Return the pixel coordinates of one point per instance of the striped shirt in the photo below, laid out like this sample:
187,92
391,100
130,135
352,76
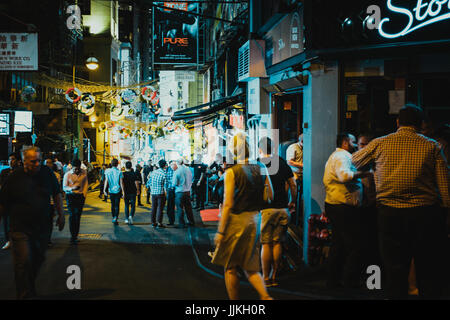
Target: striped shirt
410,169
157,181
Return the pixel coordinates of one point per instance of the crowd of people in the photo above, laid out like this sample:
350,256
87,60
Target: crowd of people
386,198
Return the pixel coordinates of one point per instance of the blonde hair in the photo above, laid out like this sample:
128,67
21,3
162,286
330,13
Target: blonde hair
26,149
240,147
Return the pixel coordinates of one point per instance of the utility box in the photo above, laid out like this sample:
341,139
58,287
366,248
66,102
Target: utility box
251,61
258,98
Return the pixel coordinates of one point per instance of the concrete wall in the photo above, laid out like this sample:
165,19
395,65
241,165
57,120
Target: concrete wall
320,125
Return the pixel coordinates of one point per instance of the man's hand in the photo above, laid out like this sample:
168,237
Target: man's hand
60,222
291,207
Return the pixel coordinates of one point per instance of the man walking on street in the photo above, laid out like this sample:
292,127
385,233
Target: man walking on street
146,171
275,218
199,184
26,198
14,163
182,180
130,185
412,182
114,185
342,206
157,182
75,185
294,157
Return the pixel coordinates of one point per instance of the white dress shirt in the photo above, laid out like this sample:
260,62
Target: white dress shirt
340,185
75,184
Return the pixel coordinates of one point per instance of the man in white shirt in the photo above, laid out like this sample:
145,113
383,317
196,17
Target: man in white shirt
75,185
182,180
294,158
342,206
114,185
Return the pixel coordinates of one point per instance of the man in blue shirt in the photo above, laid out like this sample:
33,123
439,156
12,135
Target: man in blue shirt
114,184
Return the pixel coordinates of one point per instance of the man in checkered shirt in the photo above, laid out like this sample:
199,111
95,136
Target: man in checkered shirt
157,182
412,184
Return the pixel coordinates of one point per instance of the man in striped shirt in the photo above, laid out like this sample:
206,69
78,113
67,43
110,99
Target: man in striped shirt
412,184
157,182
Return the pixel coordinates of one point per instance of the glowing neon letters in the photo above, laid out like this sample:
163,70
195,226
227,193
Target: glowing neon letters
424,14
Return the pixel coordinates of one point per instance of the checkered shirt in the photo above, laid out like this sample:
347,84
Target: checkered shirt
157,181
410,169
169,176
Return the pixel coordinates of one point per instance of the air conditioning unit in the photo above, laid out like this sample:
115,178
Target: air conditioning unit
251,61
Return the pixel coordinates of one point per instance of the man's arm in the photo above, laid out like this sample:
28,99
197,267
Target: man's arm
293,187
122,186
105,188
344,172
366,155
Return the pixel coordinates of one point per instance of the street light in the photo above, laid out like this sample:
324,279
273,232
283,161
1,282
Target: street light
92,63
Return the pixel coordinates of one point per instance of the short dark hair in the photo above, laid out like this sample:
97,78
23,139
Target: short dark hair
76,163
128,165
265,144
367,135
114,162
162,163
15,155
341,137
411,115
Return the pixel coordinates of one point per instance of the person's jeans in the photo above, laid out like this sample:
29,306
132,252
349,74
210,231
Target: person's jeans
28,253
171,205
130,200
157,207
75,203
200,194
115,204
183,203
417,233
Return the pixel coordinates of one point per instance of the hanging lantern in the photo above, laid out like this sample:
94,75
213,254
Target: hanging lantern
87,100
73,91
128,96
28,94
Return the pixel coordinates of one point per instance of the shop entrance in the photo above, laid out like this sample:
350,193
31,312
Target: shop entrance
288,116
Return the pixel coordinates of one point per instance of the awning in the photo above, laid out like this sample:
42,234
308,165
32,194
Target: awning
207,110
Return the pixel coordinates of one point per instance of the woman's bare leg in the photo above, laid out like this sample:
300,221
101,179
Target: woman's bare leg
266,258
257,282
232,283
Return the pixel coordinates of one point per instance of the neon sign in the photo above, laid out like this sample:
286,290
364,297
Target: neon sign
422,15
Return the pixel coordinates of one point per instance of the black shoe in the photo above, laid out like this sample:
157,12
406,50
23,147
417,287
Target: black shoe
190,224
160,225
154,225
170,224
74,241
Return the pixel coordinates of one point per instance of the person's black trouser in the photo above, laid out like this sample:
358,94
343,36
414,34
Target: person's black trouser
115,204
52,218
347,244
183,203
372,254
6,226
200,194
148,195
417,233
102,186
139,196
75,203
28,254
157,207
171,205
130,200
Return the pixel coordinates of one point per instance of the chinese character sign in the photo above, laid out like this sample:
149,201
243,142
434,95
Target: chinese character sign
176,33
18,51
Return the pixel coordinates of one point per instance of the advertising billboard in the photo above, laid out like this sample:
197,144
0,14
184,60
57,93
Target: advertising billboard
175,37
23,121
4,124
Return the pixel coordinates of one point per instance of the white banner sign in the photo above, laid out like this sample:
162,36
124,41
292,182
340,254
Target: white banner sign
19,51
